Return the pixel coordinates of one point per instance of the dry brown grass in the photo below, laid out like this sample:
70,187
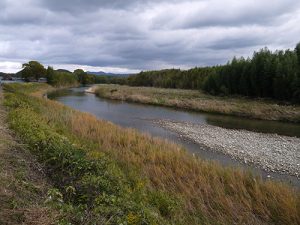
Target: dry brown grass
209,191
196,100
220,193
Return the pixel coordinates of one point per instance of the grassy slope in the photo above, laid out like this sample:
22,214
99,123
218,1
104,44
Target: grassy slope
119,175
196,100
23,185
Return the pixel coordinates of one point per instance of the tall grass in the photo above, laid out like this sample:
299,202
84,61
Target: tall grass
197,100
159,177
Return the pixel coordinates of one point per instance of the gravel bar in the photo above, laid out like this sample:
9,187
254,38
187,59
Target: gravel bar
270,152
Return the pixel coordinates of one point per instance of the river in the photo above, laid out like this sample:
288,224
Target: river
140,117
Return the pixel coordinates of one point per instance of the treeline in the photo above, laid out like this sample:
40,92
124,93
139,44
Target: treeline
268,75
107,79
168,78
35,71
172,78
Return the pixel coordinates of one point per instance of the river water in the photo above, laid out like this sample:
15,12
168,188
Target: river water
141,117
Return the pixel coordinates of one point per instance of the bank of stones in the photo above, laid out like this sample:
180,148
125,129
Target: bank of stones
270,152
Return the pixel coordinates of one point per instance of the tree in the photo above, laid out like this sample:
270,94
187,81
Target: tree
50,75
296,83
81,76
33,70
298,53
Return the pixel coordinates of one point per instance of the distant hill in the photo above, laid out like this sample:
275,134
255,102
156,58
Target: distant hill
101,73
63,71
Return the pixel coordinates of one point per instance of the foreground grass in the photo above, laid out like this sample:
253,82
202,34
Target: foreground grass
107,174
23,186
196,100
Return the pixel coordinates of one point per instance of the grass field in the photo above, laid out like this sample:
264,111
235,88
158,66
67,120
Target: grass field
198,101
106,174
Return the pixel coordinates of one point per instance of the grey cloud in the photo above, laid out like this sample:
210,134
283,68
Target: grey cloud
75,6
227,13
143,35
231,43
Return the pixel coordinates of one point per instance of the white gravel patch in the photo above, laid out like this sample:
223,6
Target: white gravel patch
270,152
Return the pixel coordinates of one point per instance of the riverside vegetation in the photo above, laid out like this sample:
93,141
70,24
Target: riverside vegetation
23,184
199,101
106,174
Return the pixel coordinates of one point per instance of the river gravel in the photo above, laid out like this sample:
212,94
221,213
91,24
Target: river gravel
270,152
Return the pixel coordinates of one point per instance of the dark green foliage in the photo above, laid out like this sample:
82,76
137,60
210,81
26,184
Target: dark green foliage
108,79
83,77
267,75
298,53
173,78
57,78
33,70
66,78
50,75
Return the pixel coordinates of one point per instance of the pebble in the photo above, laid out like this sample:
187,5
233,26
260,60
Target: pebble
271,152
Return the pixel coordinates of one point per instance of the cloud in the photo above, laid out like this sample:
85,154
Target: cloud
186,15
10,67
124,35
76,6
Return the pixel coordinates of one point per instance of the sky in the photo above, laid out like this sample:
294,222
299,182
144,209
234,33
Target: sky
127,36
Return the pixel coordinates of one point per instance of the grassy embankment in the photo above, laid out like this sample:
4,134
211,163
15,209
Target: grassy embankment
198,101
23,184
112,175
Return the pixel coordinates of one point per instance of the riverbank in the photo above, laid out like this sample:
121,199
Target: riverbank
271,152
23,184
114,175
198,101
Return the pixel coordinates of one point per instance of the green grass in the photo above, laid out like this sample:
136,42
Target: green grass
199,101
23,186
107,174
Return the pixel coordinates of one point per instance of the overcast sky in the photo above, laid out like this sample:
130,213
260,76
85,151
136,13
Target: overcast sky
132,35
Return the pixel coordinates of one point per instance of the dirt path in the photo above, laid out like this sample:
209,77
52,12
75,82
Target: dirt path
23,185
